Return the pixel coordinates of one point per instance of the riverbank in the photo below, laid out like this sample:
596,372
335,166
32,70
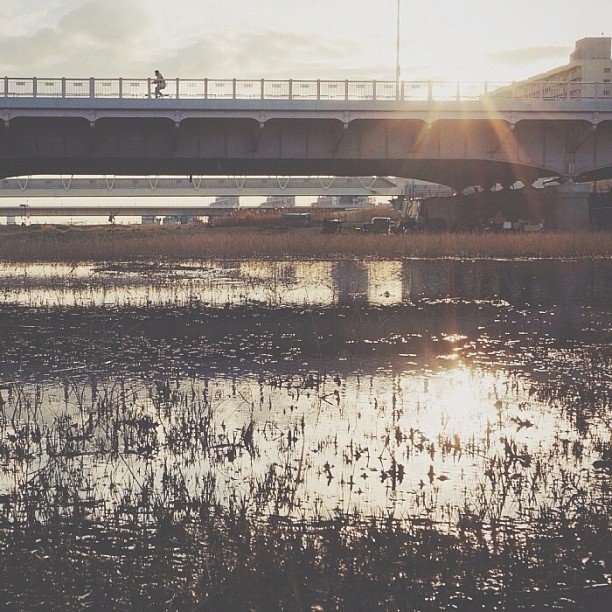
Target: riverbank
145,243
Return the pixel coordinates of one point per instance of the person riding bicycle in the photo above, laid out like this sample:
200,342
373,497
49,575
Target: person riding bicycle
160,83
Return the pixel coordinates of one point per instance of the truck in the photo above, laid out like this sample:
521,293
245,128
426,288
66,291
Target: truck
378,225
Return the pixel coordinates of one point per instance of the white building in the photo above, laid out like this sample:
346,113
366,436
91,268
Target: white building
587,75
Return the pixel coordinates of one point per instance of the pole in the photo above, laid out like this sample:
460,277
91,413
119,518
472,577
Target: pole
397,52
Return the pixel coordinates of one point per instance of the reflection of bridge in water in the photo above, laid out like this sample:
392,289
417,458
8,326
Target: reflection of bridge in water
568,287
378,283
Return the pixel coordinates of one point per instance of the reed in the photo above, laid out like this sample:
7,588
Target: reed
122,491
137,243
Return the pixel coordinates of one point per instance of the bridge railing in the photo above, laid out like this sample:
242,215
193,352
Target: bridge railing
266,89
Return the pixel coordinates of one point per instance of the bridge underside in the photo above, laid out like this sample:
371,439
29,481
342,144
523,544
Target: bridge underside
458,153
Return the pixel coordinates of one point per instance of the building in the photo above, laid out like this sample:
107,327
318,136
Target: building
587,75
344,201
283,201
227,202
590,63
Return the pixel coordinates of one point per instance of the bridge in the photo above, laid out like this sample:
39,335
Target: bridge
207,186
176,191
152,188
454,134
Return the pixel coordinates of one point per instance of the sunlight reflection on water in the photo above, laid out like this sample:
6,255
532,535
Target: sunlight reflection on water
417,444
434,419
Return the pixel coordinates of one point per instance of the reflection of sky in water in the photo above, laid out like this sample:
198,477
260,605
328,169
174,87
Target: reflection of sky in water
416,443
448,427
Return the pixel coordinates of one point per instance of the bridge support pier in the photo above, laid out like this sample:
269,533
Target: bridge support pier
567,207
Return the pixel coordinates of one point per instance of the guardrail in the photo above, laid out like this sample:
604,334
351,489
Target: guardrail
264,89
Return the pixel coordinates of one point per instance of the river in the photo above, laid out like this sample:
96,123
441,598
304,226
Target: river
209,400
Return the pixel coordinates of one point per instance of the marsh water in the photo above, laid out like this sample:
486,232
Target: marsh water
178,435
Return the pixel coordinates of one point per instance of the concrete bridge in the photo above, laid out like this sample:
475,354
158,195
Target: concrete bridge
199,186
449,133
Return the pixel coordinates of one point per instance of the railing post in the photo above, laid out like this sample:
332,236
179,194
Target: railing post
291,89
346,90
177,88
486,88
402,91
92,87
595,91
206,89
263,89
63,87
120,87
148,88
6,86
318,89
233,89
374,89
34,86
429,91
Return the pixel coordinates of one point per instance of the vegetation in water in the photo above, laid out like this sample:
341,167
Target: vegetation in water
430,456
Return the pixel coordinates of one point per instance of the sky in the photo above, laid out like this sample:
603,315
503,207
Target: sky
466,40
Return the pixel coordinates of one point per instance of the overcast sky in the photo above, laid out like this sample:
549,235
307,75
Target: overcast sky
494,40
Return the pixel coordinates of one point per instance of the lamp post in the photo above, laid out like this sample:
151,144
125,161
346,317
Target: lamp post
397,53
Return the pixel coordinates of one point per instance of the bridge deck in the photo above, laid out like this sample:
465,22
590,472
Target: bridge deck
448,133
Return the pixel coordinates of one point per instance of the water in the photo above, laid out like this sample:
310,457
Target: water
462,398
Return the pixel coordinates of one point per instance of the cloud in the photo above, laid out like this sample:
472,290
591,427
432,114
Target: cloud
111,21
93,38
110,38
530,55
270,54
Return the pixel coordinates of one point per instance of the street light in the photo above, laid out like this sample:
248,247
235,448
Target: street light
397,52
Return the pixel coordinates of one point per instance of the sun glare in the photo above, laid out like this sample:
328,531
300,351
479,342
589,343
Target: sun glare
456,403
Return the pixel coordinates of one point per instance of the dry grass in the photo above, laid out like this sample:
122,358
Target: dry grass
121,243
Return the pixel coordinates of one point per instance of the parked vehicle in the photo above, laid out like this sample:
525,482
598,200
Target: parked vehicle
332,226
378,225
297,219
